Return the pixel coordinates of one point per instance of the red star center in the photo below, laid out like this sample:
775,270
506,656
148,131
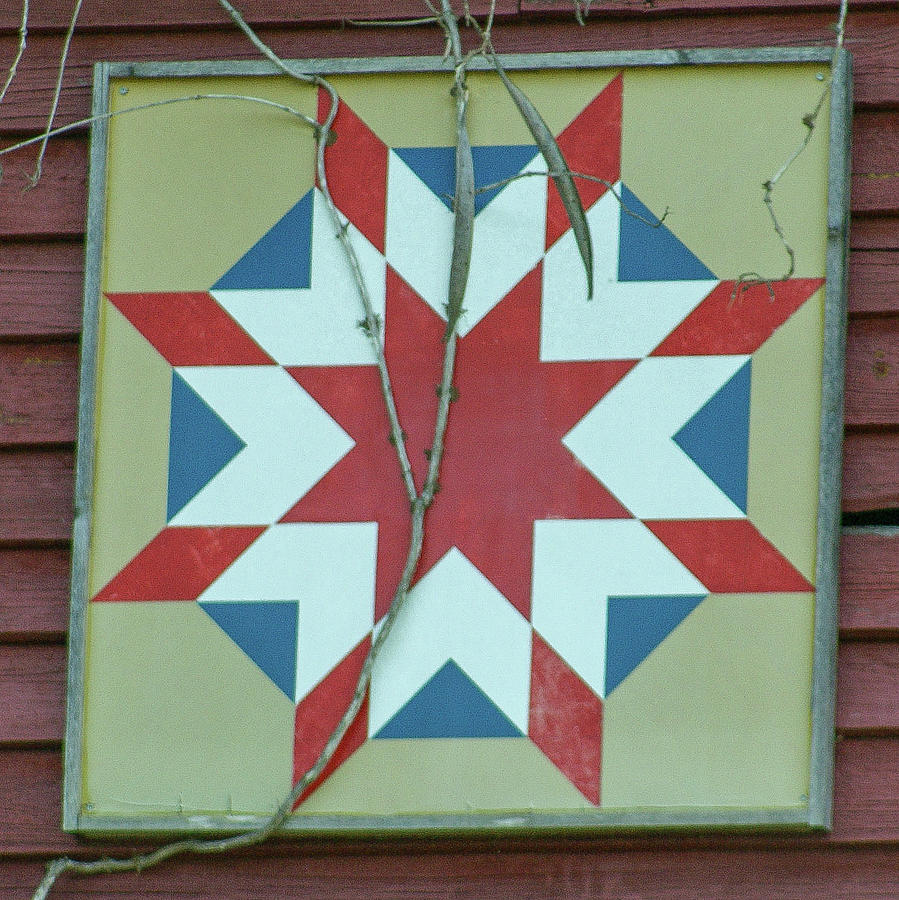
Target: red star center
504,463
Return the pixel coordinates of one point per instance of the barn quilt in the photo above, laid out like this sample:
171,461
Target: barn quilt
614,604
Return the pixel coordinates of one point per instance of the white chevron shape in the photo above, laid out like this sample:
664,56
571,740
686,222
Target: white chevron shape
455,613
316,326
625,319
290,443
578,565
509,235
329,569
626,439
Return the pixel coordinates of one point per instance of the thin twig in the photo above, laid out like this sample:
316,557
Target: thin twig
57,92
809,120
585,177
20,50
81,123
391,23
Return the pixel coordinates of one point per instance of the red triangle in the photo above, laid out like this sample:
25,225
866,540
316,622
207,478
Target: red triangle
591,144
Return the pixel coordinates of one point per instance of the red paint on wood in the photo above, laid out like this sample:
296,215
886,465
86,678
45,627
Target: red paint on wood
591,145
32,693
869,584
179,564
317,716
111,15
356,170
34,594
190,329
38,393
36,496
728,555
40,289
868,688
873,38
872,372
870,471
57,205
874,233
565,720
734,319
873,282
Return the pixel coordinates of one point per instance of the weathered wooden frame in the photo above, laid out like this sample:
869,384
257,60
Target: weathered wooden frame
818,814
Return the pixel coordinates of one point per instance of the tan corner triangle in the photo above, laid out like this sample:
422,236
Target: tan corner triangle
784,435
192,725
243,166
132,445
719,714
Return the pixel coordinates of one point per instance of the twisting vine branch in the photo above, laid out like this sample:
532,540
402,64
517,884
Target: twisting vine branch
57,93
20,50
419,501
82,123
752,279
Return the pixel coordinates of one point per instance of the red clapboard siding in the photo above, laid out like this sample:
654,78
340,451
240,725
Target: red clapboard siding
40,290
873,282
873,38
38,393
36,496
868,687
873,233
872,372
108,14
32,687
869,583
34,594
503,874
669,7
112,14
866,801
32,693
870,471
57,204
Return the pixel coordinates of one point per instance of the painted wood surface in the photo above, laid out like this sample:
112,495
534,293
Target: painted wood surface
40,290
601,874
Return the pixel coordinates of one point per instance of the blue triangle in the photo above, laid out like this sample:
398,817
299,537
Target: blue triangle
716,438
636,626
436,167
449,705
266,631
280,259
648,253
200,445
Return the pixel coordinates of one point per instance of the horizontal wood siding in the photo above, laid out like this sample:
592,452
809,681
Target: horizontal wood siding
41,271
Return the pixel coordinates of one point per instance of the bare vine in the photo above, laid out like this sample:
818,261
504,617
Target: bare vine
57,93
20,51
752,279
